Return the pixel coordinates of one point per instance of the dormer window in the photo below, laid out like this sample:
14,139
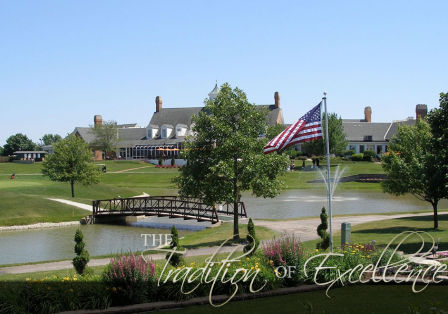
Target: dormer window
151,131
166,131
181,130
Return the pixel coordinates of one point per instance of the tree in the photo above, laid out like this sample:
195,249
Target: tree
251,238
82,256
273,130
176,258
438,121
106,136
413,166
338,142
322,231
17,142
71,162
225,156
49,139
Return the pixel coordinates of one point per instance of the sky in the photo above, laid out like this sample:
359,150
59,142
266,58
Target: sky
62,62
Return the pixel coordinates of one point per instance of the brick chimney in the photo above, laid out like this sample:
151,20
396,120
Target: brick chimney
421,111
368,114
98,120
277,99
158,103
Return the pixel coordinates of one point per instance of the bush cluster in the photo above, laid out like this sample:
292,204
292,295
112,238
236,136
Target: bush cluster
368,155
357,157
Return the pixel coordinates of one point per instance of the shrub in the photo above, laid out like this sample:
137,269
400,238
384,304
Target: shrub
357,157
251,238
322,231
176,260
82,258
160,161
130,279
302,158
286,251
349,152
368,155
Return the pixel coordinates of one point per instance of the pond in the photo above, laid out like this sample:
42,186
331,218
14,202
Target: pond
57,243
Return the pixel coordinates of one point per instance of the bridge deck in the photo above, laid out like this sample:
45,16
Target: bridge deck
164,206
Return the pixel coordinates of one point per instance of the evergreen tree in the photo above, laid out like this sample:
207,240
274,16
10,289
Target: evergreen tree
82,258
176,260
322,231
251,238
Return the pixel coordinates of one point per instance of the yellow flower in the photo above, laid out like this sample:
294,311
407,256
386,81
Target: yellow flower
54,277
71,290
247,258
252,267
28,279
271,262
353,253
317,250
368,256
75,279
114,289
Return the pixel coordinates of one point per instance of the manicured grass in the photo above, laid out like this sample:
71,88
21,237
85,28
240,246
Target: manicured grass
24,199
365,299
217,235
384,231
298,179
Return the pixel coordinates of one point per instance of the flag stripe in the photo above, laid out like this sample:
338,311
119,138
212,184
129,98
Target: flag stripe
307,128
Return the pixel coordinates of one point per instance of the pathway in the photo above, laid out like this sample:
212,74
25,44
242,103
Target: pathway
305,229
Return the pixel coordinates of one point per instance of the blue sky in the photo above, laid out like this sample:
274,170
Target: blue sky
62,62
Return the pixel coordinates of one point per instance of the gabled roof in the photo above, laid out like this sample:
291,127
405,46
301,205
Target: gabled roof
174,116
355,131
394,127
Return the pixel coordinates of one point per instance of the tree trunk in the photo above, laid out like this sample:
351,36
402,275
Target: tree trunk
236,235
73,189
436,218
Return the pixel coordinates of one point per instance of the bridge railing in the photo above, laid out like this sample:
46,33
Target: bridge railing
171,206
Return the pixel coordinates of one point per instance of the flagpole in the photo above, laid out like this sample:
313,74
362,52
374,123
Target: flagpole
328,171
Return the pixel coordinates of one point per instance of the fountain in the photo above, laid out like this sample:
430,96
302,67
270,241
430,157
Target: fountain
337,176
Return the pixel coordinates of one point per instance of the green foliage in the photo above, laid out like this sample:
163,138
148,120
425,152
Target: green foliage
273,130
349,152
176,259
71,162
133,278
160,161
173,161
225,156
368,155
251,238
50,139
17,142
106,136
414,166
322,231
336,134
357,157
286,251
82,258
438,121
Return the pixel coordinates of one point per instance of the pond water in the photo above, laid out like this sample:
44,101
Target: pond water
57,243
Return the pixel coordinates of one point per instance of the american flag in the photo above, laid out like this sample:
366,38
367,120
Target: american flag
308,128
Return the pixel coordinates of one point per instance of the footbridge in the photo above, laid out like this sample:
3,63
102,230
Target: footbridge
161,206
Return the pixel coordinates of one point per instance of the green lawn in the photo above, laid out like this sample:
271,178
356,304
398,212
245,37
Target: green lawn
384,231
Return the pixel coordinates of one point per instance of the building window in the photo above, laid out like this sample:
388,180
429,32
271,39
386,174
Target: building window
163,133
361,149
